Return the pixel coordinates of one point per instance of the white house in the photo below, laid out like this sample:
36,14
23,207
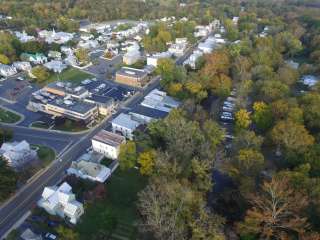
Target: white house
22,66
309,80
192,60
24,37
107,143
178,48
55,55
37,58
7,70
88,44
55,37
131,57
60,201
125,125
55,66
17,153
153,60
89,170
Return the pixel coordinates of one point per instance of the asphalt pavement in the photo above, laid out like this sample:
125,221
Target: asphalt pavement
28,195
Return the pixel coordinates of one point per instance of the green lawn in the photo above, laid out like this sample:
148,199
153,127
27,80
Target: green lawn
46,155
70,74
70,126
40,125
8,116
118,208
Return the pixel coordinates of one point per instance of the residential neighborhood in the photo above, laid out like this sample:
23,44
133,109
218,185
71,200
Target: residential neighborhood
173,119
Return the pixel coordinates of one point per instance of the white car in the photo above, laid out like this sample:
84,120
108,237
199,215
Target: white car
227,109
226,114
50,236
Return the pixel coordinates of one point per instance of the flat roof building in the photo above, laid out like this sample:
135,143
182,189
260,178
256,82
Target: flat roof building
132,76
125,125
145,114
107,143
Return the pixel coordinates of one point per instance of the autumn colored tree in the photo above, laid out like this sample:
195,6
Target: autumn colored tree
262,116
147,162
82,55
276,212
128,155
4,59
291,136
243,120
41,73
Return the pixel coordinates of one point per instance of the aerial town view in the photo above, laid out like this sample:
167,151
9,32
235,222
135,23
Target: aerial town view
160,120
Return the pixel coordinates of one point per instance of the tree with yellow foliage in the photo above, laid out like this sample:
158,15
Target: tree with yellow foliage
243,120
147,162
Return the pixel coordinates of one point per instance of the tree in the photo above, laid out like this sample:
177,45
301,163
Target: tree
243,120
41,73
288,75
310,104
8,180
82,55
272,90
247,139
262,116
4,59
292,136
220,85
276,211
172,210
147,162
249,162
67,233
128,155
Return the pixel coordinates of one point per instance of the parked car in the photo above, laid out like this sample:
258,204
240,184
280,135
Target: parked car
50,236
227,109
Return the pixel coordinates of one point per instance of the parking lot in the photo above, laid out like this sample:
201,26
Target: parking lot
107,89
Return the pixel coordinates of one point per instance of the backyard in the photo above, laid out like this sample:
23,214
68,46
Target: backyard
8,116
116,215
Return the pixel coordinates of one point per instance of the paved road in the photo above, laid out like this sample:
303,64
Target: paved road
27,196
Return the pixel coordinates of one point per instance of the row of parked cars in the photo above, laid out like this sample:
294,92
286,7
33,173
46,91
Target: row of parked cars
227,114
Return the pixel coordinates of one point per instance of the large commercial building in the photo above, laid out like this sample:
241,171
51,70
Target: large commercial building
132,76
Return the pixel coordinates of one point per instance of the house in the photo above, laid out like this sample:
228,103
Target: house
55,37
24,37
132,76
89,44
17,154
30,235
55,66
89,170
37,58
131,57
107,143
153,60
7,70
71,60
178,48
125,125
55,55
145,115
22,66
60,201
193,58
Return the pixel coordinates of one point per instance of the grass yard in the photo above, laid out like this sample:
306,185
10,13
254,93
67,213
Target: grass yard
8,116
70,126
117,215
40,125
70,74
46,155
